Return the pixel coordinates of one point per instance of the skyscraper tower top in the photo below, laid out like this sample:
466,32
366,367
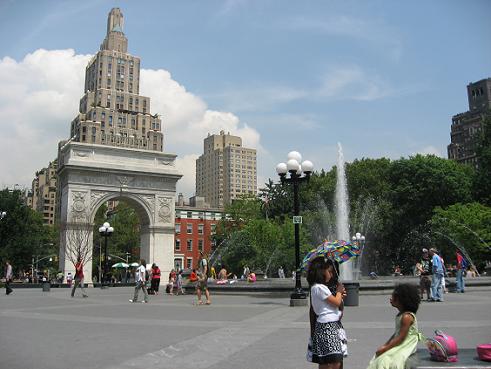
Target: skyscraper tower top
112,111
115,38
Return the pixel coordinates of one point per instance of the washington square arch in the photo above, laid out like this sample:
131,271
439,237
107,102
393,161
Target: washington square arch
115,153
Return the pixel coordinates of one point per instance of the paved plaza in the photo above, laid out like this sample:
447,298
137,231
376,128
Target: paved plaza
50,330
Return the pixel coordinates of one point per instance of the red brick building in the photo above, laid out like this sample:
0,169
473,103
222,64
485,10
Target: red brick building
195,224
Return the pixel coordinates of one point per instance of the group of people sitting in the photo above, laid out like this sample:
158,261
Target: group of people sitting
223,276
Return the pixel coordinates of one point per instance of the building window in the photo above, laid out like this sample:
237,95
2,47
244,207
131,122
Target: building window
178,228
190,214
189,263
214,228
200,245
189,245
201,228
189,229
178,245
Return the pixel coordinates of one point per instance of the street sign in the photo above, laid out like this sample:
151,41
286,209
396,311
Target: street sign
297,219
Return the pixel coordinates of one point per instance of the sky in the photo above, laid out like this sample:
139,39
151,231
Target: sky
382,77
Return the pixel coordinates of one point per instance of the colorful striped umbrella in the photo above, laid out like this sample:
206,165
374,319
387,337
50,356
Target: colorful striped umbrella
338,250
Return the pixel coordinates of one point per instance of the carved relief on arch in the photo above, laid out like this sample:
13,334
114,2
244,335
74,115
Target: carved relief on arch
78,208
95,196
165,209
149,200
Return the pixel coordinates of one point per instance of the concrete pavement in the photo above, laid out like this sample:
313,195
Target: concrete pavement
51,330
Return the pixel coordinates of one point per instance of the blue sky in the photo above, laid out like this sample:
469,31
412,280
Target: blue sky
381,77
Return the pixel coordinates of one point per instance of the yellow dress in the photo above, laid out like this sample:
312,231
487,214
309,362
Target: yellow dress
396,357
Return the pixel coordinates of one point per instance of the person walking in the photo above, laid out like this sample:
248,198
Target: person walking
8,277
79,278
155,278
459,275
202,285
438,275
402,344
140,283
424,268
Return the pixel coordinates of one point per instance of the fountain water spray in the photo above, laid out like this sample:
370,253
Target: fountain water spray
342,212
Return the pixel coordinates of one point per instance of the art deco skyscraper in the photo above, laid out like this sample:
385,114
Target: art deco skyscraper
111,111
466,127
226,170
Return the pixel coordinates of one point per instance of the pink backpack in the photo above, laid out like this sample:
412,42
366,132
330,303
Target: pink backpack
443,347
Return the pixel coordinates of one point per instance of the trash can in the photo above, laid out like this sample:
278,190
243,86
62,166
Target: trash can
352,293
46,286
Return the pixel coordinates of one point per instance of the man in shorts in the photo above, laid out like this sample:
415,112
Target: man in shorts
202,285
424,269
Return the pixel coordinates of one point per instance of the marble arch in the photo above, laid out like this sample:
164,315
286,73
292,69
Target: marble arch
89,175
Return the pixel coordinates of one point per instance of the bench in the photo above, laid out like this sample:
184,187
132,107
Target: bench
467,360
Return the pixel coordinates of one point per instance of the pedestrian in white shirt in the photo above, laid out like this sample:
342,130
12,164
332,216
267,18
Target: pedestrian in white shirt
140,282
8,277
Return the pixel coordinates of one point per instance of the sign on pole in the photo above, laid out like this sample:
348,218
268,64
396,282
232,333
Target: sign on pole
297,219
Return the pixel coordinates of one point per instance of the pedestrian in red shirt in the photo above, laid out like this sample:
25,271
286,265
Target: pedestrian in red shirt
79,278
155,278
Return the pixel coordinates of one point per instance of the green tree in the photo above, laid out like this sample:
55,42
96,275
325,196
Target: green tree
22,233
418,185
126,235
463,225
277,200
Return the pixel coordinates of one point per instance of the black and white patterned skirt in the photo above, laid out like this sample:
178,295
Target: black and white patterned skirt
326,343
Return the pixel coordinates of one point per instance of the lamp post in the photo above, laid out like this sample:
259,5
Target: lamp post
359,240
295,169
105,231
37,265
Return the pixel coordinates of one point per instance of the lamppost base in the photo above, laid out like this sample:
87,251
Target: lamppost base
298,298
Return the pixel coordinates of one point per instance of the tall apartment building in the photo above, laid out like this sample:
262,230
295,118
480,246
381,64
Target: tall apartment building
466,126
42,197
226,170
111,111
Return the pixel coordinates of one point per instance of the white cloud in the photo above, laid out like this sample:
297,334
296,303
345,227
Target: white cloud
353,83
38,99
186,164
40,96
186,118
429,150
384,37
346,82
260,97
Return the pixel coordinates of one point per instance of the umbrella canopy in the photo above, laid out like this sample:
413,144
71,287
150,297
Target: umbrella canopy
338,250
120,265
135,264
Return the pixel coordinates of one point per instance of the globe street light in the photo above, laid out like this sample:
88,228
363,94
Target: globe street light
105,231
295,169
359,240
3,214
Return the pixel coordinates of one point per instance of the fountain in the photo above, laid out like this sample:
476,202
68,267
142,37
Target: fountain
342,212
269,262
